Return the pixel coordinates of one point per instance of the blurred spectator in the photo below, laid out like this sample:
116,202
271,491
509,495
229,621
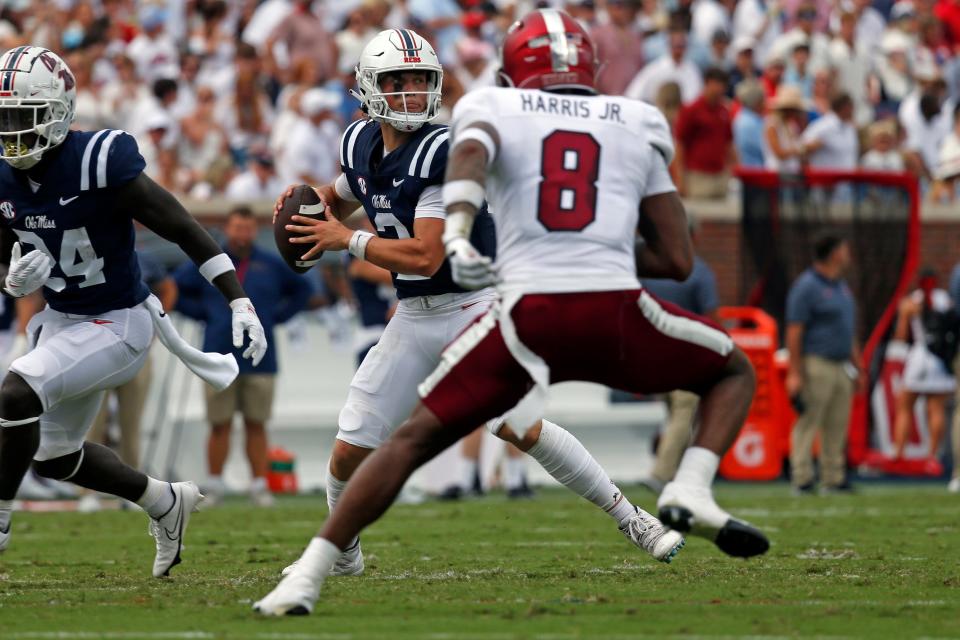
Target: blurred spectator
883,154
948,166
478,64
709,17
948,11
719,52
798,70
893,72
822,94
925,133
187,84
925,321
760,21
674,67
265,19
154,51
619,43
310,156
89,106
351,39
211,39
260,180
278,294
669,101
704,135
805,31
743,67
933,47
782,128
245,114
442,18
203,151
151,142
831,141
748,125
304,36
821,339
870,22
122,95
853,64
773,72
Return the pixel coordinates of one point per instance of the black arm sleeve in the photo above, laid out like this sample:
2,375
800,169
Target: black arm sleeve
156,209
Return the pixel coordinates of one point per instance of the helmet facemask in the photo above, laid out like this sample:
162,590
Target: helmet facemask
28,128
376,99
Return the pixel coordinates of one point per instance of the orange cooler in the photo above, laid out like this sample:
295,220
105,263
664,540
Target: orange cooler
280,475
763,442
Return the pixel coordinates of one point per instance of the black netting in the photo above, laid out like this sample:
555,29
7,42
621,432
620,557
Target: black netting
783,217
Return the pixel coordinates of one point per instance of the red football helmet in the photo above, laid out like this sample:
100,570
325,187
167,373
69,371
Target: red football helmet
548,49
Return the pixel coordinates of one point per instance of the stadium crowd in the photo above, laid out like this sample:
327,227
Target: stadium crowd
237,97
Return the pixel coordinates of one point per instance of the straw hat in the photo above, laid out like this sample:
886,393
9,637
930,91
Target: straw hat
788,97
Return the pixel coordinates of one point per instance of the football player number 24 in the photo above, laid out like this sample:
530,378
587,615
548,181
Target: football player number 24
77,257
570,166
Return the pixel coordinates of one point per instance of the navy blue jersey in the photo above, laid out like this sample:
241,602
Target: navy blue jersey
389,189
72,217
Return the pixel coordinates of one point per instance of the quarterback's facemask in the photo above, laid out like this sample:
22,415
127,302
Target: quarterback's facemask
37,102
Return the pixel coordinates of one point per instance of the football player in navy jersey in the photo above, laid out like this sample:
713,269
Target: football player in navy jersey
393,165
68,200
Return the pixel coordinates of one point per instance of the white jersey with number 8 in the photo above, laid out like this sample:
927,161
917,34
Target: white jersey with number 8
565,187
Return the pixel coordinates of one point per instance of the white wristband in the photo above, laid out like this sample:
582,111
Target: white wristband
358,243
469,191
481,136
216,266
457,225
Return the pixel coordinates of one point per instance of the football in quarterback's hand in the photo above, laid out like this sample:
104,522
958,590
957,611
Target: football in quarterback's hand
303,201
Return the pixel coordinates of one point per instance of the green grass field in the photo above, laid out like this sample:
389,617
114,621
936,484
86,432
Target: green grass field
883,564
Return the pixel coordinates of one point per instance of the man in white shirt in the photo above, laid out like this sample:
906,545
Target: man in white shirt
831,140
260,180
926,128
761,22
154,50
306,158
672,68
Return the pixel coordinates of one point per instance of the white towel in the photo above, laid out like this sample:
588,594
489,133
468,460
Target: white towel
217,369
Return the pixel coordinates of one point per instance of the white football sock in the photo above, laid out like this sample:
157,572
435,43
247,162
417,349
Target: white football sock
468,473
158,499
697,467
515,472
318,558
335,487
258,485
564,458
6,510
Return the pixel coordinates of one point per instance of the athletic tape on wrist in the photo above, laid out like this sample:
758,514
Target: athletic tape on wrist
358,243
457,225
481,136
468,191
216,266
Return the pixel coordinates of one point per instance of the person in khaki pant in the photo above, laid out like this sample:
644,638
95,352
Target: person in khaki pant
698,294
821,321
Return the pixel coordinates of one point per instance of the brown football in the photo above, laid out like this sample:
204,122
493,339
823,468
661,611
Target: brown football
304,201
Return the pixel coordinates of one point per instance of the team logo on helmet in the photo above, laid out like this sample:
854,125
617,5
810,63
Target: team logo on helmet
6,208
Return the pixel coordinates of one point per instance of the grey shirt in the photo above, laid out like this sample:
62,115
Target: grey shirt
827,311
697,294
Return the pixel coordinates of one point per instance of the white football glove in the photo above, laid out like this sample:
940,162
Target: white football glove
27,273
470,269
245,320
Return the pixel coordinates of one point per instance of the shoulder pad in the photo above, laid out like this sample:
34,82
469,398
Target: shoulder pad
430,158
655,127
110,158
348,141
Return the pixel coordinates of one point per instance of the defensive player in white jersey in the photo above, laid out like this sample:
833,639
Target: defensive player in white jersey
68,201
393,165
571,177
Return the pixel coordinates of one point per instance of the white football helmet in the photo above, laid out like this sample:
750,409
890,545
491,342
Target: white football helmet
38,99
398,50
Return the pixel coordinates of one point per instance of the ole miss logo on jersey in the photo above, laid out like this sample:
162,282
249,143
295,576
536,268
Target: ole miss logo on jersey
363,185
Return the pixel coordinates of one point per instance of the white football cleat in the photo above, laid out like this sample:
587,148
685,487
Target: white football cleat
954,485
692,509
89,503
649,534
168,530
4,538
350,563
294,596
